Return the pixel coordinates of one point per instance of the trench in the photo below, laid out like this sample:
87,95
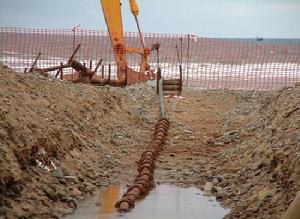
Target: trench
163,202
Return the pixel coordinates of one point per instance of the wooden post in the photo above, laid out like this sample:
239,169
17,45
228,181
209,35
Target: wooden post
180,89
74,53
61,71
109,73
52,68
91,64
98,65
102,71
83,71
35,61
57,73
187,61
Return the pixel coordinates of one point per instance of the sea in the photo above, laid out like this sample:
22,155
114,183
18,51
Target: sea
210,63
276,41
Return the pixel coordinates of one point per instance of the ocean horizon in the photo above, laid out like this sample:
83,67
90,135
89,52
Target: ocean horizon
266,40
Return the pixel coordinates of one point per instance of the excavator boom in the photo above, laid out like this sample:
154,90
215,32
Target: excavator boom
113,18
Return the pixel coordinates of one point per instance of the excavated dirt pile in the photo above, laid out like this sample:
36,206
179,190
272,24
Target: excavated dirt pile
242,147
265,157
60,141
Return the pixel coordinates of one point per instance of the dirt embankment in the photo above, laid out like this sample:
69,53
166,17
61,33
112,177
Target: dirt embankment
60,141
243,147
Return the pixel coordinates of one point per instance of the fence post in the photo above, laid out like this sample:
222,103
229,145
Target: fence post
61,71
109,73
187,61
102,71
180,89
158,79
91,64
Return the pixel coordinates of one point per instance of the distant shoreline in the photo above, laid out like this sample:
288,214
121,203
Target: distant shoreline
266,40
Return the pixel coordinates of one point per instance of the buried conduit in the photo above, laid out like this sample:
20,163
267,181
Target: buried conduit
146,165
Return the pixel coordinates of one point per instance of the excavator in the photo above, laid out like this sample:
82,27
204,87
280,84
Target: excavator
113,18
126,75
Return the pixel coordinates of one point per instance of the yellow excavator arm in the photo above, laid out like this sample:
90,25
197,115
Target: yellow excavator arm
113,18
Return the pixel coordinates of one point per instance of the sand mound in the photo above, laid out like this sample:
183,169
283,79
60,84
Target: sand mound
59,141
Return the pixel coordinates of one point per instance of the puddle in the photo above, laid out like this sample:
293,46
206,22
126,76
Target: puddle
163,202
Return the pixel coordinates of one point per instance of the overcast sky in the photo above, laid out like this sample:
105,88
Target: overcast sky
211,18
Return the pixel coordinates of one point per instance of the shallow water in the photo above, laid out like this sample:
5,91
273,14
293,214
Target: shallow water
163,202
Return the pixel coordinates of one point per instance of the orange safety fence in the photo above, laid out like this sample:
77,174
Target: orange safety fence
207,63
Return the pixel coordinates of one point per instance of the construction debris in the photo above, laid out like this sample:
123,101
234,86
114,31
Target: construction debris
86,75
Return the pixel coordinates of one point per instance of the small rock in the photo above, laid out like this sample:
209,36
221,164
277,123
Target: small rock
72,203
76,192
4,210
71,178
65,171
215,181
218,189
211,143
186,174
209,174
16,188
253,209
176,137
187,131
262,164
208,186
58,173
227,139
50,193
107,156
262,194
191,137
61,194
80,177
221,195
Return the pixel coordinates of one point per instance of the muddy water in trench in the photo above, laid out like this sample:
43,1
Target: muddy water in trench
163,202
